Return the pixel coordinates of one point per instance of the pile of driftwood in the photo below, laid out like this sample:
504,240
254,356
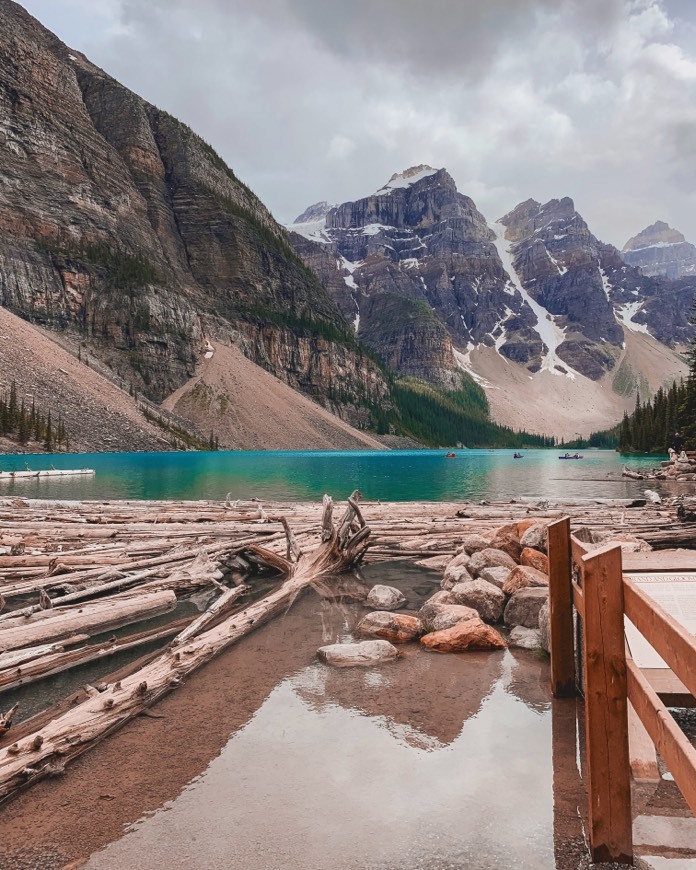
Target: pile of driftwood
71,573
76,603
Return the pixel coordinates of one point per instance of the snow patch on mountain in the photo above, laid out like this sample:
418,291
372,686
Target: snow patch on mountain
561,269
626,313
406,178
606,286
463,360
546,327
315,230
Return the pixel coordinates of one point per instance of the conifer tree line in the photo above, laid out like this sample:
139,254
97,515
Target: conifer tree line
24,423
651,426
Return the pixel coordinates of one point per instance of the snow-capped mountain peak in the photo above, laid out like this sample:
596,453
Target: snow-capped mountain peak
409,176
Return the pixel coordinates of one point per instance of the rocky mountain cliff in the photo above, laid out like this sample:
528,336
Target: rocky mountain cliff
660,250
415,269
435,289
118,223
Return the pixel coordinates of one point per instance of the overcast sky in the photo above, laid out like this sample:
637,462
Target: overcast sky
324,99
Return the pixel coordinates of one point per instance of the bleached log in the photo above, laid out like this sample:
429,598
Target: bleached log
86,723
92,618
64,659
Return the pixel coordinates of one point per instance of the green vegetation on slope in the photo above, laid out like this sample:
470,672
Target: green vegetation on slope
437,417
27,425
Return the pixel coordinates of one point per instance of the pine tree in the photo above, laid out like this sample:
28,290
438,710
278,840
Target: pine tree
48,443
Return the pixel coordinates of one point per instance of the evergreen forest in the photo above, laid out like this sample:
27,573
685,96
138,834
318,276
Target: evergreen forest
27,424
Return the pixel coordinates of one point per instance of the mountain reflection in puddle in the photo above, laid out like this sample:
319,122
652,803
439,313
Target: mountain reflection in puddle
433,761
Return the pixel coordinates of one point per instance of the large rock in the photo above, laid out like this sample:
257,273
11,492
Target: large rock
507,539
545,627
473,543
468,635
486,599
523,525
525,638
535,537
363,654
455,574
629,543
523,576
524,606
496,576
442,596
394,627
384,598
489,558
436,617
535,559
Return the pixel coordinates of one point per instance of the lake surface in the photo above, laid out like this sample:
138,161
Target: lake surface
397,475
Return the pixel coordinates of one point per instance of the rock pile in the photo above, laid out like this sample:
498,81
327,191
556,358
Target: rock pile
677,467
496,578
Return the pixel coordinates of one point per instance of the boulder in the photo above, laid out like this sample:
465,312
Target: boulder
486,599
496,576
525,638
363,654
453,575
545,626
489,558
535,537
523,525
440,597
459,559
473,543
384,598
435,563
470,634
436,617
629,543
507,539
524,606
394,627
535,559
523,576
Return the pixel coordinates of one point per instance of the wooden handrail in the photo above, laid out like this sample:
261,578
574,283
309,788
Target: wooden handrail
592,580
670,639
677,752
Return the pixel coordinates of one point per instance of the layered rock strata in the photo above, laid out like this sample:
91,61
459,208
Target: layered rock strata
119,223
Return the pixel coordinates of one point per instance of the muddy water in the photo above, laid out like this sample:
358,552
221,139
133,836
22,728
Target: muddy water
429,762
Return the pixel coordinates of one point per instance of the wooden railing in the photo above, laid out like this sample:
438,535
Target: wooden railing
592,583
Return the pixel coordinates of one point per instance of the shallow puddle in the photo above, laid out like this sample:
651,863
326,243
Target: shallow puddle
432,761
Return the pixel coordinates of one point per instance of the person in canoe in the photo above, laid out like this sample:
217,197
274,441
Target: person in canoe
517,456
450,455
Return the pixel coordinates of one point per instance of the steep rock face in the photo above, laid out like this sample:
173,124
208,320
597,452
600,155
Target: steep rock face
420,241
118,222
559,263
658,250
587,289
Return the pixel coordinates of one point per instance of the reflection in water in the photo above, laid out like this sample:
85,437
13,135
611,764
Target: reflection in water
422,475
433,761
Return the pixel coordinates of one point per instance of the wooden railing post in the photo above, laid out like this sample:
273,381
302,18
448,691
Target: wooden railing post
561,610
609,777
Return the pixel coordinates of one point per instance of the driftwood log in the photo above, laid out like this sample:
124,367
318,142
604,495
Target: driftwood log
50,748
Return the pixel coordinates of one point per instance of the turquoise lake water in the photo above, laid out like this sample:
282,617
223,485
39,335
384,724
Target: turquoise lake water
398,475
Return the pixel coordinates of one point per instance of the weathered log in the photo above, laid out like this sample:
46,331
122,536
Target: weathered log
61,659
93,618
75,730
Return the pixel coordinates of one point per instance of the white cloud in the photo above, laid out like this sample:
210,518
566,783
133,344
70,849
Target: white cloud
517,98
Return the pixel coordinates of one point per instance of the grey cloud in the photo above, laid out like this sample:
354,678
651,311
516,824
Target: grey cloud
324,99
